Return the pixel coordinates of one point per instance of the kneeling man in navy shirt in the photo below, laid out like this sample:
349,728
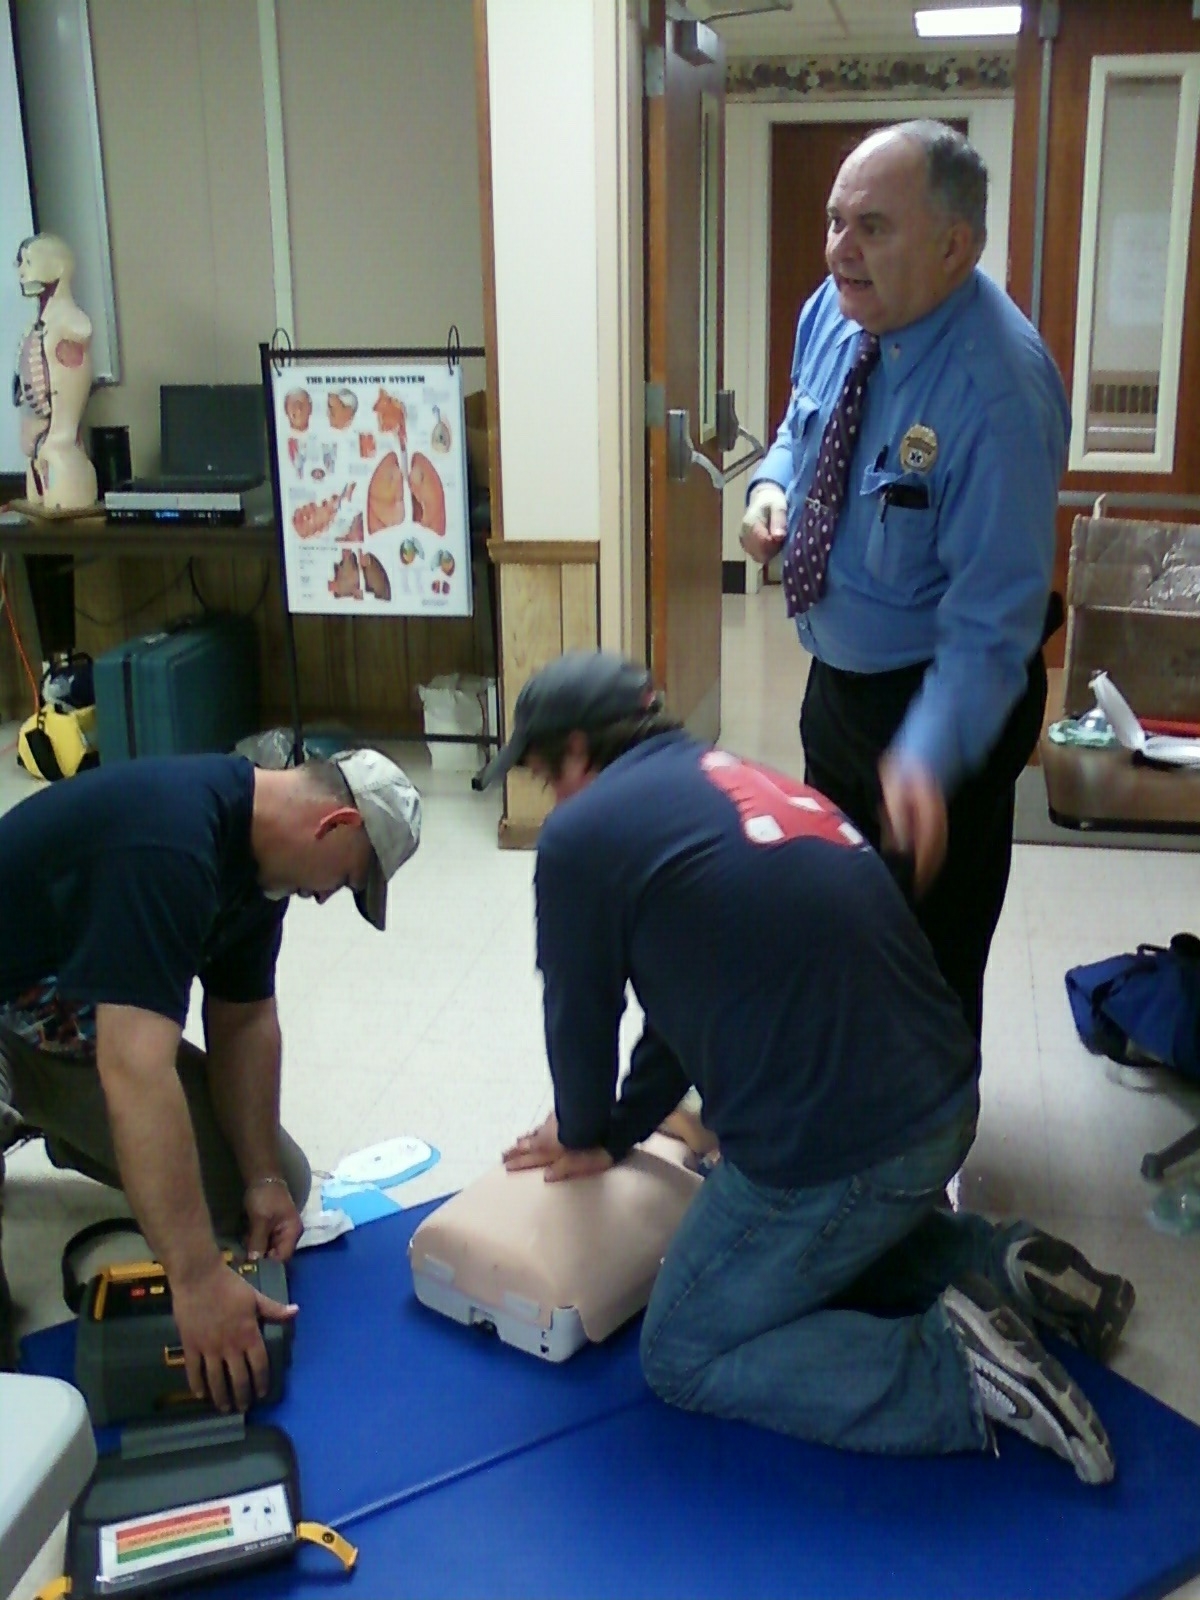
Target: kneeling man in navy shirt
817,1285
118,889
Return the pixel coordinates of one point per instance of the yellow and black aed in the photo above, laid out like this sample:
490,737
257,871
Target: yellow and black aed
58,741
129,1362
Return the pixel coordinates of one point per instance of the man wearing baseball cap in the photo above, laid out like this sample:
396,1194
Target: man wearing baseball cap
118,889
814,1286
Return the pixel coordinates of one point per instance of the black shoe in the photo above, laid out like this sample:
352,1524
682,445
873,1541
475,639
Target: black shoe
1058,1286
1021,1385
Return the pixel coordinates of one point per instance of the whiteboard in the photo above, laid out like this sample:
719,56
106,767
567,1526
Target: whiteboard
16,223
59,91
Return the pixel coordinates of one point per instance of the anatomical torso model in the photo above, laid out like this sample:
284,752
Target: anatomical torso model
53,380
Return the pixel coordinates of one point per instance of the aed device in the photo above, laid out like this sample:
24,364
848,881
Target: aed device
58,741
549,1266
186,1501
128,1358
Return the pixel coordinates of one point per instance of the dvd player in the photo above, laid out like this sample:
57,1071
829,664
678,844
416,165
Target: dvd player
222,507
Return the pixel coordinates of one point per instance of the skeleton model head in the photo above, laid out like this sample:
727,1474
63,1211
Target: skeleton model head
43,262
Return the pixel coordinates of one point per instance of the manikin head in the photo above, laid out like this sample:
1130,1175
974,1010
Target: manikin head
43,262
347,823
905,223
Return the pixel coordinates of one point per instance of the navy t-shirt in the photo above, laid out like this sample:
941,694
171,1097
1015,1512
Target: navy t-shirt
778,965
122,885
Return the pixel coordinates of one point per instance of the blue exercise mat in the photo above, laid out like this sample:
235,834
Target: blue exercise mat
463,1468
384,1394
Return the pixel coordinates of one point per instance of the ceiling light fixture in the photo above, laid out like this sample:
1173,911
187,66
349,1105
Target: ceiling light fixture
968,22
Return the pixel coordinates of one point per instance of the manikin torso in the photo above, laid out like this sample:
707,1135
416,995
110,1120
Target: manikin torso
54,380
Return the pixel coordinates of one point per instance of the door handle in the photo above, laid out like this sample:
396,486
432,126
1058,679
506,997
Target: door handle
730,430
683,455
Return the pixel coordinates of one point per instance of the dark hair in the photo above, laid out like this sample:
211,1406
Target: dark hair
327,779
604,744
955,172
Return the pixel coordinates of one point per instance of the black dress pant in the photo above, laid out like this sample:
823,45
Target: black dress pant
847,721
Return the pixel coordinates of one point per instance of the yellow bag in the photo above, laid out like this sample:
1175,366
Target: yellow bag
58,742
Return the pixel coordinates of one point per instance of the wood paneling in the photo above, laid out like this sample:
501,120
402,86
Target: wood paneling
363,672
18,621
542,552
549,603
1091,28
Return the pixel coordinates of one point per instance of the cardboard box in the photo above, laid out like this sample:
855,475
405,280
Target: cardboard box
1133,611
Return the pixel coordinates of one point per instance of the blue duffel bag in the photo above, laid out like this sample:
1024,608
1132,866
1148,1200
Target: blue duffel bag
1142,1007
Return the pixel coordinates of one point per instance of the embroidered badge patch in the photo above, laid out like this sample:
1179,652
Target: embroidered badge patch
918,448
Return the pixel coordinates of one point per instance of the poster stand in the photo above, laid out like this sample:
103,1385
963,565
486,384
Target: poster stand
367,454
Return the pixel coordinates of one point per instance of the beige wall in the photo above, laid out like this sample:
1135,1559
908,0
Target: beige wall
382,170
382,179
179,98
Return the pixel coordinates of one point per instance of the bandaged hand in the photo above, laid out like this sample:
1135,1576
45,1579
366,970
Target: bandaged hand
764,525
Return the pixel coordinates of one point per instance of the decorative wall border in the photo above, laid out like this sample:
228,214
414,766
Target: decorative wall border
846,77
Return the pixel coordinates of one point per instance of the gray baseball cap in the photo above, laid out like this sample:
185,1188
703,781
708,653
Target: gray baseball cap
585,690
391,811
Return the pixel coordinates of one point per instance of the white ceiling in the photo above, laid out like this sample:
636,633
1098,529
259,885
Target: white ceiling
817,27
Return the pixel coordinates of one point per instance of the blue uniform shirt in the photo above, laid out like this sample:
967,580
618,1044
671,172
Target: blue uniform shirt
944,548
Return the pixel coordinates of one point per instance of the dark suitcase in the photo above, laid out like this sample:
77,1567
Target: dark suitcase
179,693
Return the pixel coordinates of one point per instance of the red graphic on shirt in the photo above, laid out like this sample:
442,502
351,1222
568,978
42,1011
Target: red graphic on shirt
773,808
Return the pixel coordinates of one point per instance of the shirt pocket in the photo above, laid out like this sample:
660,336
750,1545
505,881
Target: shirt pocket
805,436
901,550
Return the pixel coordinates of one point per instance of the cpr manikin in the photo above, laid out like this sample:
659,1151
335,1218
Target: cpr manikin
550,1266
53,380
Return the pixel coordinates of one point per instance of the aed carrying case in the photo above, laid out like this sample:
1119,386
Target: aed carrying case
128,1358
183,1502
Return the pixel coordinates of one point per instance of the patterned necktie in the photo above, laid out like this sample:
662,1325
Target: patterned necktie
806,561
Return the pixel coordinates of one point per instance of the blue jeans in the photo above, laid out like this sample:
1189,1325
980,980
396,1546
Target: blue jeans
816,1312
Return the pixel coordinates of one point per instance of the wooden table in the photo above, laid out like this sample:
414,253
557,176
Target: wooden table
91,537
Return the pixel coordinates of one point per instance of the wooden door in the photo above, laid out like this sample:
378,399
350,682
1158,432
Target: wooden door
684,108
1094,28
805,157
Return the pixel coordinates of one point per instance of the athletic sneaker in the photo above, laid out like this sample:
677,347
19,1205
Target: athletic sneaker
1021,1386
1058,1286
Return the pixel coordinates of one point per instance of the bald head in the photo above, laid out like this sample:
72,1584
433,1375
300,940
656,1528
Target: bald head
905,223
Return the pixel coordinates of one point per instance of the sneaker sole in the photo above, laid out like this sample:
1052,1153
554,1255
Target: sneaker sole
999,1337
1096,1331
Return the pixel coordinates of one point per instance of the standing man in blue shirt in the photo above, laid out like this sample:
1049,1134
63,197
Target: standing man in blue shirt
913,487
813,1287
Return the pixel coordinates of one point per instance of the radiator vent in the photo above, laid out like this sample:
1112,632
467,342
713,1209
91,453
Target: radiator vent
1111,398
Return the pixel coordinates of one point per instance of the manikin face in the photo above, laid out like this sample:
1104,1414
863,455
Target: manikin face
893,255
42,262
